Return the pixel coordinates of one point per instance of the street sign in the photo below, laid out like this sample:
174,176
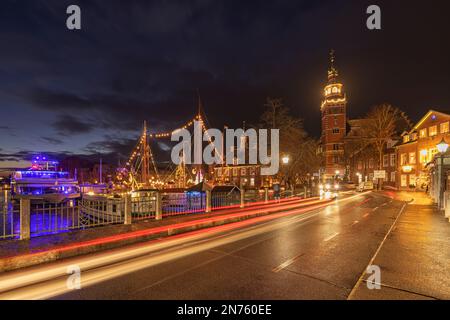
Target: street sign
379,174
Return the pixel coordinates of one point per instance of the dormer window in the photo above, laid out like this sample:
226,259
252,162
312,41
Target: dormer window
406,139
335,90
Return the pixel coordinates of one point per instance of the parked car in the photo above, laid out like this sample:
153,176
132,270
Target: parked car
365,186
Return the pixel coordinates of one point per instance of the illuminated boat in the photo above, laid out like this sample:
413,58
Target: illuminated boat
43,181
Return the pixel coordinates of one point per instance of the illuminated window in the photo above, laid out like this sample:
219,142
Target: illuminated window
392,159
423,133
424,156
433,131
406,139
335,90
404,159
412,158
404,182
433,152
412,180
445,128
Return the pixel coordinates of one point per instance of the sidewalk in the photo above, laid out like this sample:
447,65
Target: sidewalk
415,258
16,254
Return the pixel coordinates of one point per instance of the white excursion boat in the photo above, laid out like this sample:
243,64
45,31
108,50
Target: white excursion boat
42,181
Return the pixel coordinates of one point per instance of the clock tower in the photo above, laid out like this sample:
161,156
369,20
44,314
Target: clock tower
334,119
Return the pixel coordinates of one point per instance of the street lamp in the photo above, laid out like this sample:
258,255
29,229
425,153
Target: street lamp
285,160
442,148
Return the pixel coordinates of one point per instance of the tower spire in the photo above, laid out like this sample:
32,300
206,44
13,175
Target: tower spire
200,105
332,72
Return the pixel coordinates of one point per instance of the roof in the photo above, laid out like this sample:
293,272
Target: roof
201,187
431,112
230,188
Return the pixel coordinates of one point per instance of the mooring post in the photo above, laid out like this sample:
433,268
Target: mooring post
208,201
25,211
266,194
158,206
127,209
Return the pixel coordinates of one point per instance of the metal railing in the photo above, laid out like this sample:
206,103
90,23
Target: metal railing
9,220
221,200
48,217
144,208
174,204
40,217
100,212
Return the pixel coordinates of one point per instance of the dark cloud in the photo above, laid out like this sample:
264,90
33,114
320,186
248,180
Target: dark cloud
52,140
57,101
69,125
27,155
145,60
120,147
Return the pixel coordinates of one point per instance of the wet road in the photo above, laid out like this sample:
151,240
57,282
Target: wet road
319,254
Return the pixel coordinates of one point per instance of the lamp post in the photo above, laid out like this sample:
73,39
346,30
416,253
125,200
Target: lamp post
285,161
442,148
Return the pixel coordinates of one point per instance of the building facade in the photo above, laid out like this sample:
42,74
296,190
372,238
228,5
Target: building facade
334,119
418,149
248,176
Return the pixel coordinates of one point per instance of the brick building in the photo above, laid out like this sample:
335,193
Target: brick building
345,157
248,176
418,149
334,120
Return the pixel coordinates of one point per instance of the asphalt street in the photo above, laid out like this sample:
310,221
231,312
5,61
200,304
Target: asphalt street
316,254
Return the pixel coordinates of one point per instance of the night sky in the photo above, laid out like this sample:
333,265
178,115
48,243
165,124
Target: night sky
88,91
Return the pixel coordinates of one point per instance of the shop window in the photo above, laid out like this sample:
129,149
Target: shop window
412,180
404,182
393,178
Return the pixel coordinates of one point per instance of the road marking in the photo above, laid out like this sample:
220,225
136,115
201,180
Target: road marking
375,209
286,264
331,237
366,215
361,278
355,223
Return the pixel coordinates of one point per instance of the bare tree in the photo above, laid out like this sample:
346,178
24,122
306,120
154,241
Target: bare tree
384,121
294,142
